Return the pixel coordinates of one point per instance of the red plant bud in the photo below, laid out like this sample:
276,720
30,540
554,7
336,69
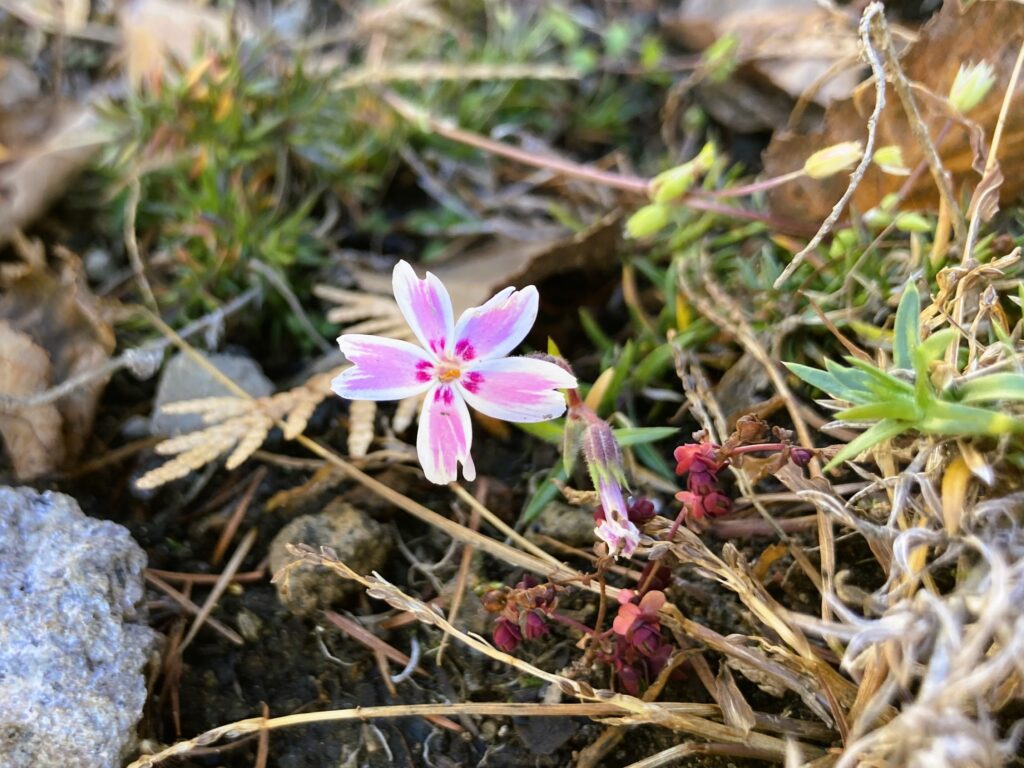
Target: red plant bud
640,511
701,480
646,639
716,504
506,635
801,456
629,679
534,625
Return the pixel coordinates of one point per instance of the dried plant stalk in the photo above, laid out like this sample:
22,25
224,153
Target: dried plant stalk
237,425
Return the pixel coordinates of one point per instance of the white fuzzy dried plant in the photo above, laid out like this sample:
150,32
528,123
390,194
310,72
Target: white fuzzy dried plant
237,425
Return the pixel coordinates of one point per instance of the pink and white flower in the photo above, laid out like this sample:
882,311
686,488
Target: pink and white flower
458,363
616,530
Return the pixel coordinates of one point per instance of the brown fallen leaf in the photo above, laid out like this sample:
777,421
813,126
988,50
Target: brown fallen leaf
32,436
44,142
786,50
55,310
477,274
988,31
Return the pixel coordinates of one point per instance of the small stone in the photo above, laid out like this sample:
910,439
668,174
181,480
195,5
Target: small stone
572,526
184,379
359,541
73,640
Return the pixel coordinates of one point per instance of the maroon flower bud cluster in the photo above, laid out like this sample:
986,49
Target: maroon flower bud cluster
524,611
639,512
703,497
638,651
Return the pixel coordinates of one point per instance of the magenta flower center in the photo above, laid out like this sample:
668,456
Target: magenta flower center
449,368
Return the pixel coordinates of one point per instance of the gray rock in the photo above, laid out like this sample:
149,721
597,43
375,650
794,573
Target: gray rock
360,542
570,525
72,641
183,379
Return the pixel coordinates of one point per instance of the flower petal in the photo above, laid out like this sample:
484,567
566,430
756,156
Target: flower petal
445,436
621,537
426,306
497,327
382,369
516,388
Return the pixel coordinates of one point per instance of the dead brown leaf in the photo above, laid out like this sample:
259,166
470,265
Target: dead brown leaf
55,311
32,436
786,50
990,31
477,274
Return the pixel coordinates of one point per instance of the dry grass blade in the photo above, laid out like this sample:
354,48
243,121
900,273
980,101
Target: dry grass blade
633,709
494,709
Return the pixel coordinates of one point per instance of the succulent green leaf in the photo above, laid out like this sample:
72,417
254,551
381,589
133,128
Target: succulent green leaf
879,433
816,377
548,431
627,436
945,418
547,491
907,331
995,386
898,410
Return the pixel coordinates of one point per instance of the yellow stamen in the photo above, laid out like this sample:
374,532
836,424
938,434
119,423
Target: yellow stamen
449,374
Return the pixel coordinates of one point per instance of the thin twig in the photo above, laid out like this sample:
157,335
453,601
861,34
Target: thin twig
237,516
917,125
636,185
132,359
191,607
131,242
218,589
278,283
873,11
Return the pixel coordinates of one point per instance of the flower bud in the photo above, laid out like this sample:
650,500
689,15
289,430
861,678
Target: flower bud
629,680
716,504
971,84
801,456
889,159
534,625
648,221
506,636
640,511
831,160
646,639
913,222
673,183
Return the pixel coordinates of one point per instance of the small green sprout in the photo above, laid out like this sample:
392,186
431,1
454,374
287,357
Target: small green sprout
911,402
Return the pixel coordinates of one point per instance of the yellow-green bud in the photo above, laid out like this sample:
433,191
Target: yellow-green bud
831,160
913,222
648,221
673,183
971,85
704,159
878,218
889,159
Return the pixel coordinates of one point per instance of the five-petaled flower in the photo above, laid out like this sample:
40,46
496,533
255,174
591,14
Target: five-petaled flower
459,362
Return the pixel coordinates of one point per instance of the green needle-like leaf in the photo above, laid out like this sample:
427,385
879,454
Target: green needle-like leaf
880,432
995,386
